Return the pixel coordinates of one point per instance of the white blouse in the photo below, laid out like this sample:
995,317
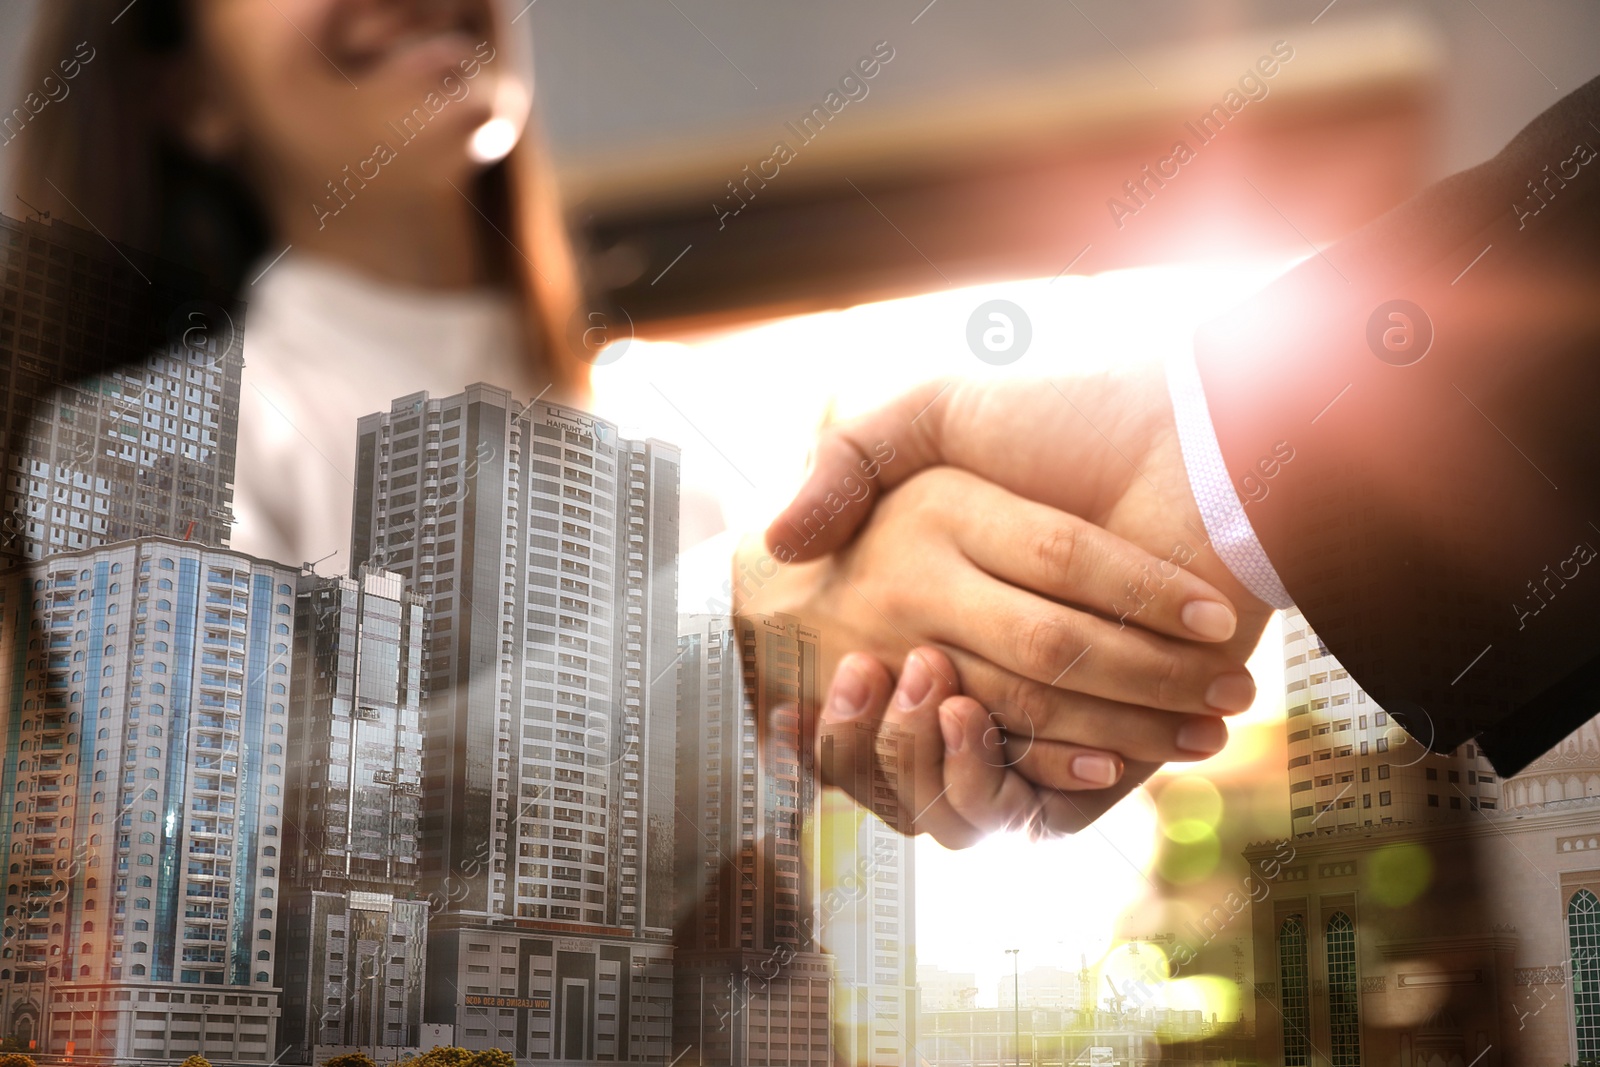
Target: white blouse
325,346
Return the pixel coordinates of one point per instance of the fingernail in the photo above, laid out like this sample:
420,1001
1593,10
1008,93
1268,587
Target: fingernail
1095,769
915,681
848,696
1232,692
1210,620
1203,735
955,738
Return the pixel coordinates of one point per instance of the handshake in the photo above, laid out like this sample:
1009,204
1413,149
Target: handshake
1028,558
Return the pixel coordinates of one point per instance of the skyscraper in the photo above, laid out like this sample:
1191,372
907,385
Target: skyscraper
95,452
869,916
354,931
752,983
1350,765
145,710
548,548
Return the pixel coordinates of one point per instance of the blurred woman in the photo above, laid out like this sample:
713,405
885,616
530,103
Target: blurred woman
365,174
360,173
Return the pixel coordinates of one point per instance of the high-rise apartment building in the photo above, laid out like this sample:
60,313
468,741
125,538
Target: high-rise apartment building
942,990
145,701
95,452
1043,987
752,983
353,928
869,913
1351,765
547,548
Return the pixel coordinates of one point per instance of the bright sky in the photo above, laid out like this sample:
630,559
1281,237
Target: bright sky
745,407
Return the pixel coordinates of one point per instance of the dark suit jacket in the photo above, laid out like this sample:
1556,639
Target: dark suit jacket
1439,520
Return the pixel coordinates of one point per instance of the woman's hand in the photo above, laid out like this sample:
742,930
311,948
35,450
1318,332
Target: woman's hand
928,760
1024,602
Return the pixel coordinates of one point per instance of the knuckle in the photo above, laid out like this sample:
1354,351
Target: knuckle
1057,548
1173,686
1047,644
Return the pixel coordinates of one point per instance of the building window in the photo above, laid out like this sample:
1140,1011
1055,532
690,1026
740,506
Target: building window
1292,983
1383,799
1344,1030
1583,937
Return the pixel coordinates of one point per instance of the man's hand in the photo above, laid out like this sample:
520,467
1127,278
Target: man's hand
1103,448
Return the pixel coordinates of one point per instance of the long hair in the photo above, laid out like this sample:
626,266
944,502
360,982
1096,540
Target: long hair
115,162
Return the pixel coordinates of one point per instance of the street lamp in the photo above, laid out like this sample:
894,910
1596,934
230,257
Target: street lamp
1016,1008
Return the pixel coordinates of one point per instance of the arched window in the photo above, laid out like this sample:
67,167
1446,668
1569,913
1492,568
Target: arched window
147,816
263,976
140,946
1344,1027
263,955
143,882
1292,987
138,968
1583,937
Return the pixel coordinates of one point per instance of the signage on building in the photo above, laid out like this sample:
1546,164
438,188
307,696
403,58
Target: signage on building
362,900
476,1000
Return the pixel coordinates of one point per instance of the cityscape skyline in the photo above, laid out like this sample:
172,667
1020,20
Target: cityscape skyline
533,550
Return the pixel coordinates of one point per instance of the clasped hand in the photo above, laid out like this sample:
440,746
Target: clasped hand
1034,569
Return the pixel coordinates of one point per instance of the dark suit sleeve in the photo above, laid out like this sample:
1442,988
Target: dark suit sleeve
1439,518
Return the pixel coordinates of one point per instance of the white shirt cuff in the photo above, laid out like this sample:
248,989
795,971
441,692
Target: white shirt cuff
1232,536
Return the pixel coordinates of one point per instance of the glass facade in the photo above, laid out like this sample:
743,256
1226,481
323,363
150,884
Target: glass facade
147,712
1295,1004
1344,1024
1583,941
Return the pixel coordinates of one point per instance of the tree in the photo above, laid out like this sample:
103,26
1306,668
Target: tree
444,1056
193,1061
492,1057
350,1059
18,1059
